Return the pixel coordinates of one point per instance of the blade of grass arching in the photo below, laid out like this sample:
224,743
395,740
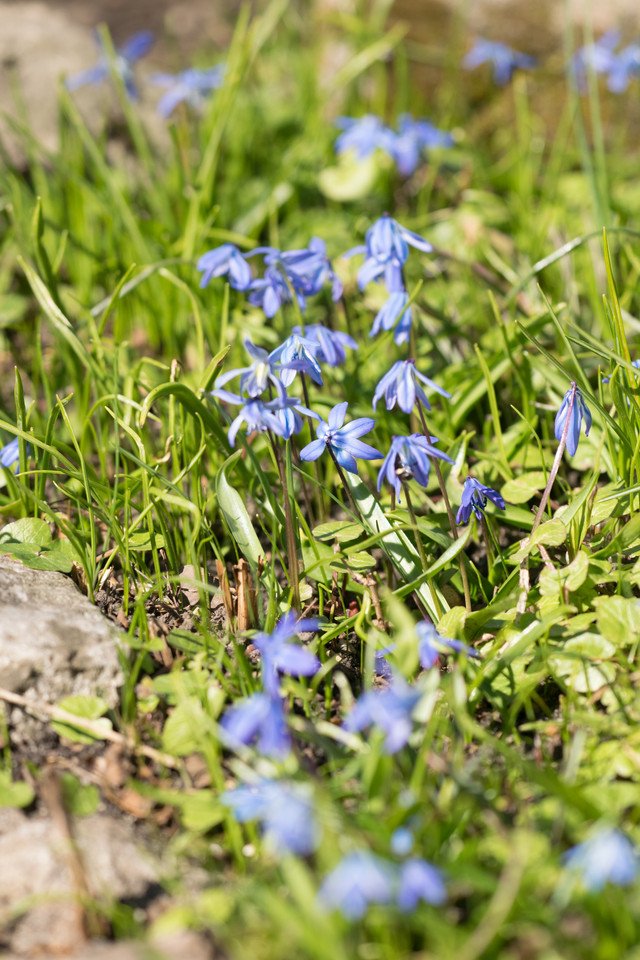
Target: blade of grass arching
491,394
42,258
89,497
579,373
618,332
111,301
185,288
508,350
129,285
195,406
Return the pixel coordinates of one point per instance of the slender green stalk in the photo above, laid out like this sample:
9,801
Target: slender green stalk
420,545
292,543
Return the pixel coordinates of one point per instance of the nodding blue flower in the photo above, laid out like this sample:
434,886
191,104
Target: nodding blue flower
284,810
332,344
311,268
255,378
419,880
297,354
361,878
364,135
505,59
279,655
430,643
407,459
598,57
389,709
474,498
395,311
280,415
10,455
126,55
626,64
607,856
259,717
381,666
412,140
272,290
191,86
225,260
402,841
569,417
402,385
342,439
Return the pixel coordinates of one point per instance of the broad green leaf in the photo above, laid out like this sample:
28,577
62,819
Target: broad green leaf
184,728
145,541
237,519
80,800
618,619
570,577
88,708
201,811
14,793
351,179
341,530
521,489
28,530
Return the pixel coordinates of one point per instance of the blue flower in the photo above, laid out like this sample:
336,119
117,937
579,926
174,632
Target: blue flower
311,268
408,458
332,343
342,439
400,385
598,57
190,86
280,415
271,291
297,354
255,378
430,642
126,55
359,879
625,65
413,138
420,880
280,655
387,247
389,709
474,498
259,717
573,410
364,135
285,812
395,310
223,260
607,856
10,454
402,841
505,60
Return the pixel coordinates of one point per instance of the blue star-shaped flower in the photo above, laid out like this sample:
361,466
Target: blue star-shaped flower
225,260
191,86
284,810
280,655
365,135
573,410
402,385
255,378
343,440
607,856
430,643
126,55
408,458
359,879
332,343
474,498
390,709
412,140
259,717
505,59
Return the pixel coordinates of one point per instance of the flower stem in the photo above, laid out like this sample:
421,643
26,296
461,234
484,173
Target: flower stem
556,462
292,544
420,546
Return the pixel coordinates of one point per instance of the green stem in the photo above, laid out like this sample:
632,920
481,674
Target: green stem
292,544
420,545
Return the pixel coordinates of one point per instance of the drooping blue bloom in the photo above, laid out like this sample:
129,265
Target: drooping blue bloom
126,55
420,880
297,354
343,440
365,135
311,268
598,57
408,458
474,498
225,260
271,291
381,666
626,64
505,59
280,655
402,385
390,709
280,415
387,247
191,86
569,417
332,343
259,717
361,878
402,841
607,856
10,454
394,312
285,811
412,140
255,378
430,643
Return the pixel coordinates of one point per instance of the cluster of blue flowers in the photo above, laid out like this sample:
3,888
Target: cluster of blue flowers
407,145
191,86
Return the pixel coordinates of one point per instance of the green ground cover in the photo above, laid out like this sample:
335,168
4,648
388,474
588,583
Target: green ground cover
521,741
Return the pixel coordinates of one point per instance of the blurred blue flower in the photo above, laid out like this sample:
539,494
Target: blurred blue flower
259,717
598,57
381,666
413,138
402,841
364,135
389,709
126,55
359,879
474,498
311,268
10,454
569,417
255,378
430,643
280,655
607,856
387,247
625,65
420,880
272,290
297,354
280,415
332,344
285,812
400,385
408,458
505,60
342,439
634,363
223,260
191,86
394,311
